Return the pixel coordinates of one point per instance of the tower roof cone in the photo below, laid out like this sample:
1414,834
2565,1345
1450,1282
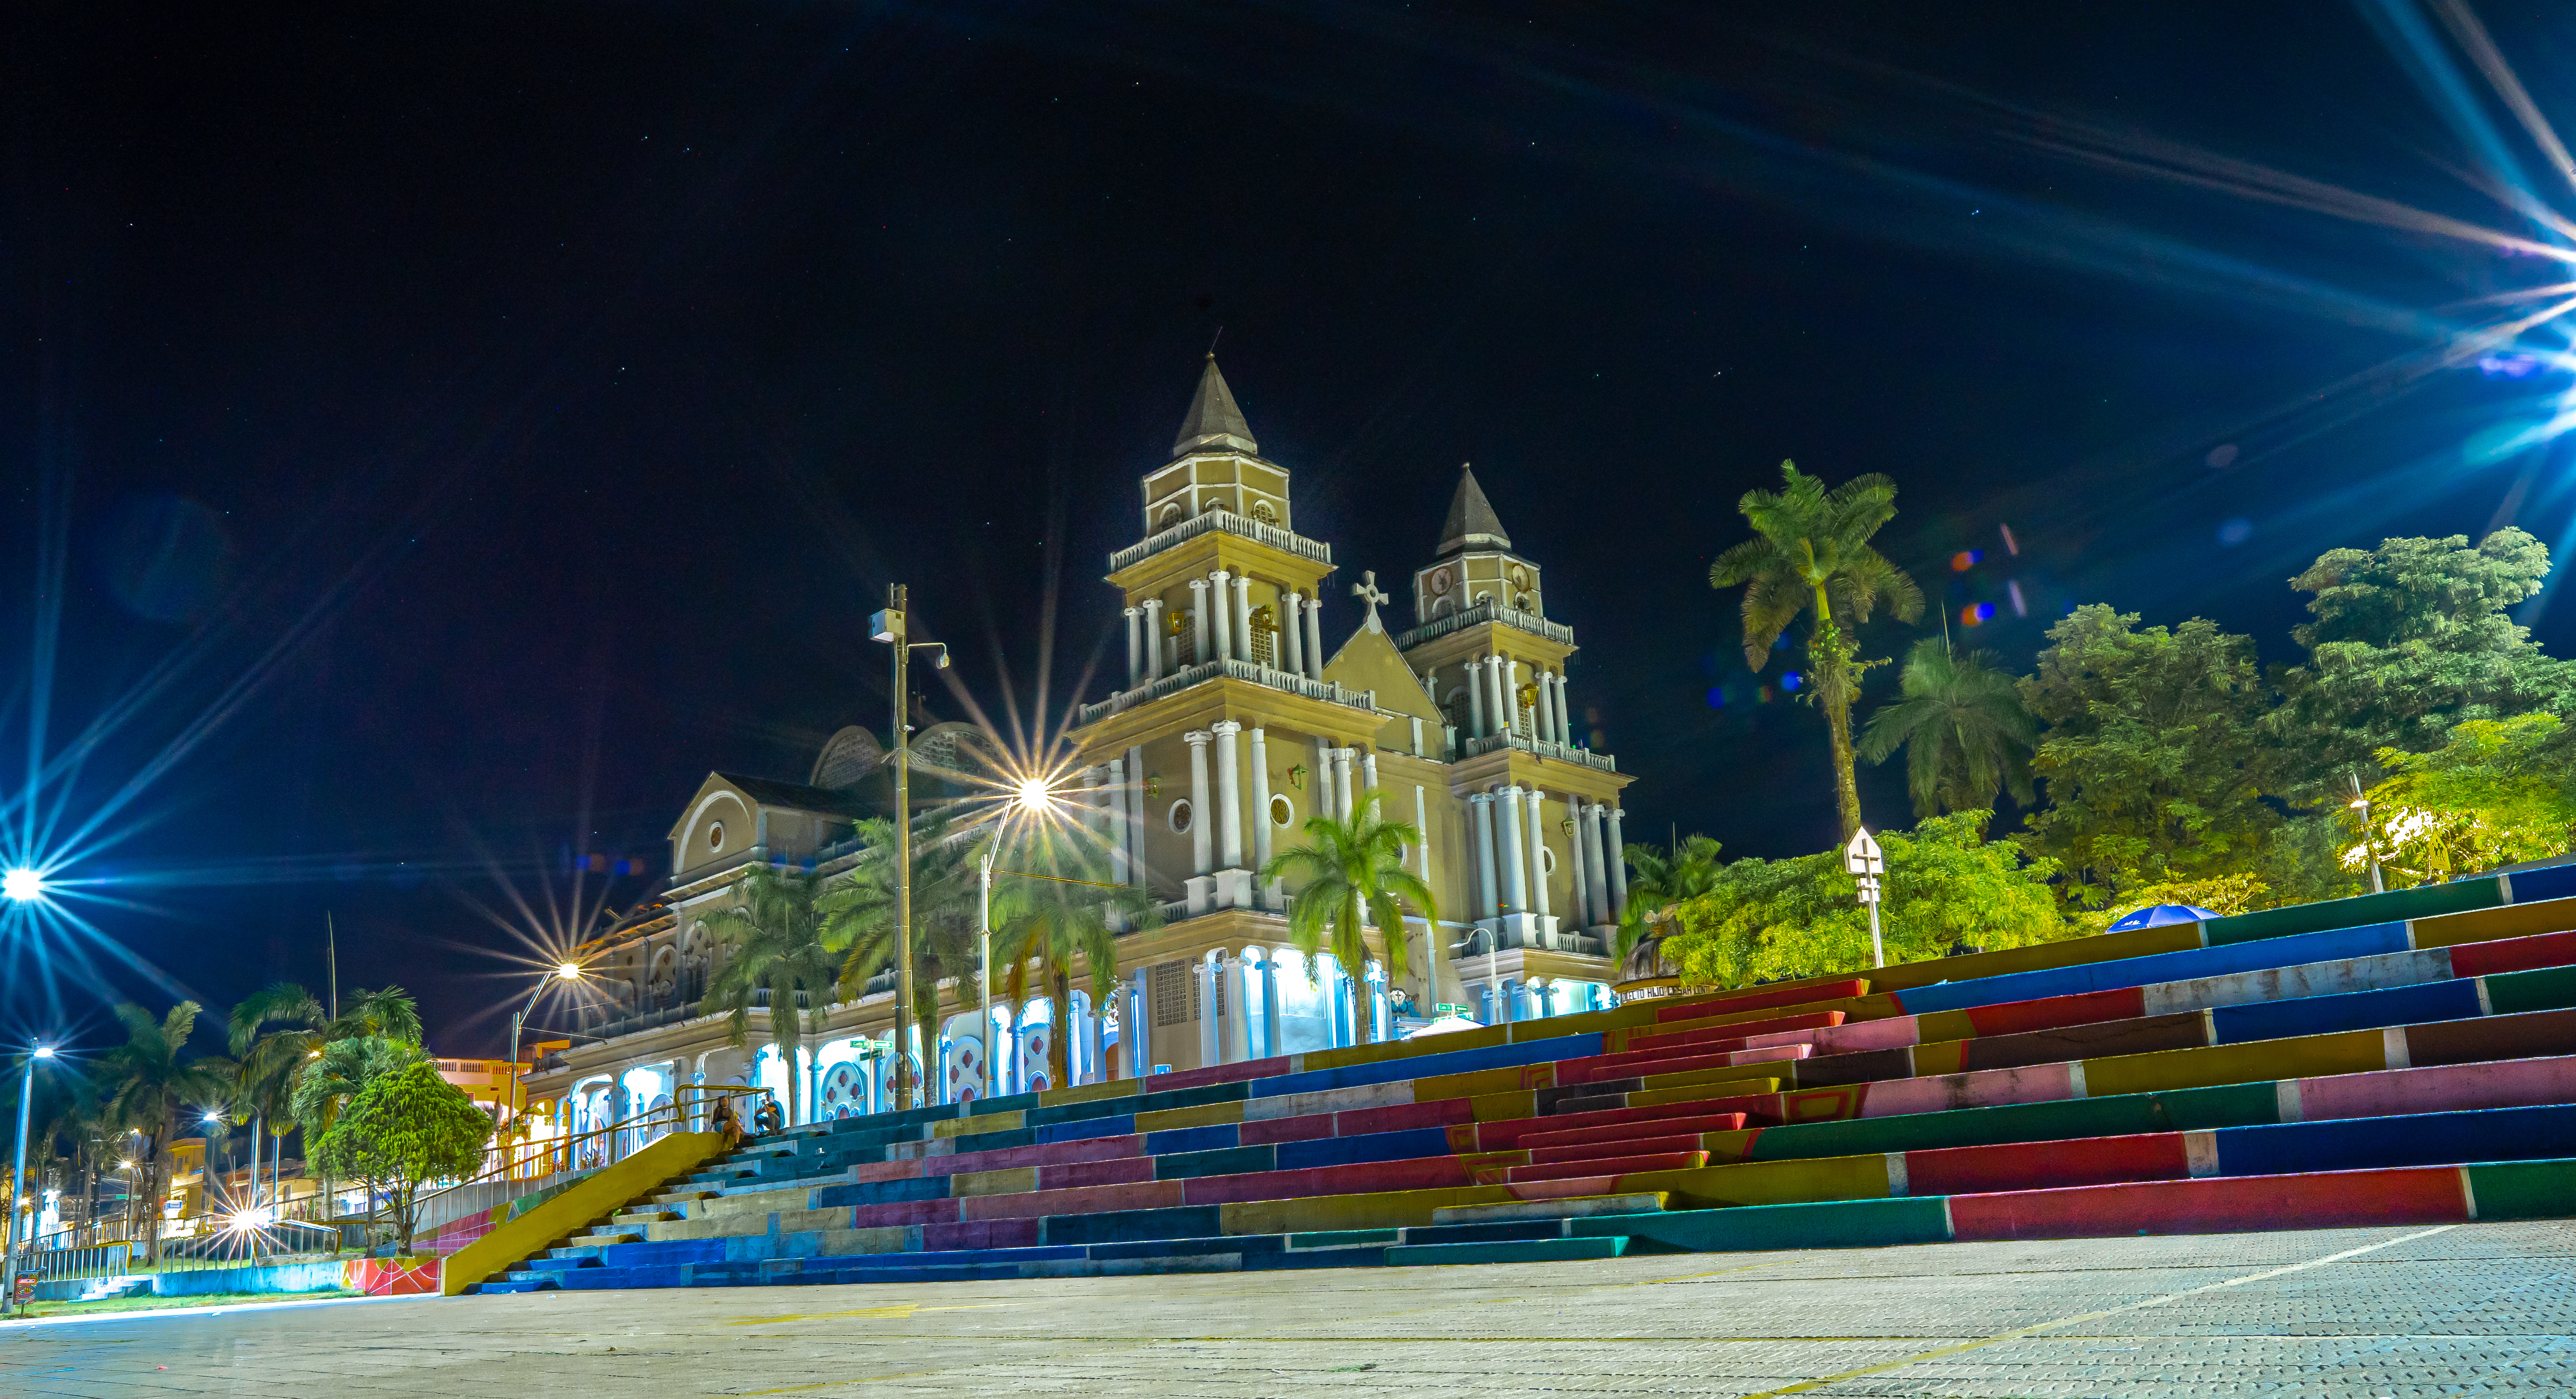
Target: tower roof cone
1471,521
1214,422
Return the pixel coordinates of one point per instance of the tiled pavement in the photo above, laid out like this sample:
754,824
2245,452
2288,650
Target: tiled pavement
2478,1308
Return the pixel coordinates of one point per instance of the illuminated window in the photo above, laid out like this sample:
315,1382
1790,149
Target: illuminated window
715,835
1180,817
1281,811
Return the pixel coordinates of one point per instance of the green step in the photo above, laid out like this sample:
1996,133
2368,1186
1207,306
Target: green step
1519,1251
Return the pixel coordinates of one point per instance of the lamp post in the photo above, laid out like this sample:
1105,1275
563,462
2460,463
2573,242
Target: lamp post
1867,863
889,626
563,971
18,1177
2361,803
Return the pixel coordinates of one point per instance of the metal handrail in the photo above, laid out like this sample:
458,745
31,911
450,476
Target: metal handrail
526,1159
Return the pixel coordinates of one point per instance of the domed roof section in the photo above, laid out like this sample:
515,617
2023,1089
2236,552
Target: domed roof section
1472,523
1214,422
847,759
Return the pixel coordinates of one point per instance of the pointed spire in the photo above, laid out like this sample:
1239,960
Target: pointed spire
1471,519
1214,423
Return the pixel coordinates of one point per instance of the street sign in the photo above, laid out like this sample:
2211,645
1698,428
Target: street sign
1863,856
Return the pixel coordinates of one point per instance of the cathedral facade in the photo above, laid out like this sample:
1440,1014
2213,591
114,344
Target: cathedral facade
1236,722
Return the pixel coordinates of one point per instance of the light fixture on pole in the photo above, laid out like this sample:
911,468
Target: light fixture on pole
889,627
22,885
2361,803
562,971
18,1177
1868,864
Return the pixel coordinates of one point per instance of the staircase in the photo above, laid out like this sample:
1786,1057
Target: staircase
2397,1058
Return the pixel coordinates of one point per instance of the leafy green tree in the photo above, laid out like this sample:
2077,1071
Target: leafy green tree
775,954
1810,553
1659,879
404,1130
151,1079
1946,884
1353,872
2497,793
2153,753
1963,727
2404,642
860,926
1054,924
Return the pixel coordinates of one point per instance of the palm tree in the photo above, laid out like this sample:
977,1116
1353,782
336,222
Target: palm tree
775,950
1661,879
1963,727
1058,907
149,1080
278,1033
859,924
1350,867
1810,551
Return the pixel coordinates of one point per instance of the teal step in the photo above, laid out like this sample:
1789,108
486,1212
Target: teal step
1521,1251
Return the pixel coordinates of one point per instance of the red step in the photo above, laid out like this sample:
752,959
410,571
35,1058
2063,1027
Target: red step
1624,1131
1610,1166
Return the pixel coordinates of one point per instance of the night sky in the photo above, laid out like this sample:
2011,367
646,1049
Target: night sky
444,433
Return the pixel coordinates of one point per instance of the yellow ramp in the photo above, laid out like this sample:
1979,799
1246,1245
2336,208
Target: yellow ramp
595,1197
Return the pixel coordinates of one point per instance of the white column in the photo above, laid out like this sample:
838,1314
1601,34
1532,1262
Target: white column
1417,735
1209,1046
1315,638
1243,615
1198,621
1136,816
1511,696
1494,693
1342,782
1618,870
1292,634
1368,767
1220,600
1259,812
1556,705
1584,874
1153,639
1515,883
1200,817
1119,832
1135,650
1565,710
1229,795
1422,823
1591,833
1543,709
1482,803
1475,699
1238,1020
1537,860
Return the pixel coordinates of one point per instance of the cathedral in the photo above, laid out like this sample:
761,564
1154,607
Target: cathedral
1236,722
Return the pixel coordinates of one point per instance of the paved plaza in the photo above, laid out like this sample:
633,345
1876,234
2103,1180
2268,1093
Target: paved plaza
2476,1308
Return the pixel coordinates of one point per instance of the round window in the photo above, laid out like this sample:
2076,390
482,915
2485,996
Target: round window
1546,860
1439,580
1282,811
715,835
1180,817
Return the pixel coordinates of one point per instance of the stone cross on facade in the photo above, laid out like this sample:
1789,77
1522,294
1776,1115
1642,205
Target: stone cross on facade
1368,590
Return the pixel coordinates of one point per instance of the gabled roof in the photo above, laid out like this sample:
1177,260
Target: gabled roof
796,796
1472,523
1213,423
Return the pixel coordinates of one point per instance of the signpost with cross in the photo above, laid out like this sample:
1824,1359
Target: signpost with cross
1368,591
1868,864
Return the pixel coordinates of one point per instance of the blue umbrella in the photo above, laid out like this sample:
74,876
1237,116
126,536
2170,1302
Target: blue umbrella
2155,915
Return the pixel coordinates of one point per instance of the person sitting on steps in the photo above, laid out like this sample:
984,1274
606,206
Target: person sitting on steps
727,1122
769,1118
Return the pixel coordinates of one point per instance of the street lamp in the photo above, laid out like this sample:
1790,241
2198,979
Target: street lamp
889,627
2361,803
22,885
565,971
1868,863
18,1174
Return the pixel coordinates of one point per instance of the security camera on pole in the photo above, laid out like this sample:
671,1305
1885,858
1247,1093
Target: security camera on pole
1868,864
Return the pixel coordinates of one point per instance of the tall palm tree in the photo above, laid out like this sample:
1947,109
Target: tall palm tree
859,924
1350,868
1964,729
1660,879
281,1030
1810,553
150,1078
774,951
1056,907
